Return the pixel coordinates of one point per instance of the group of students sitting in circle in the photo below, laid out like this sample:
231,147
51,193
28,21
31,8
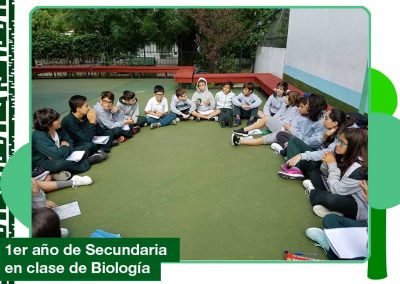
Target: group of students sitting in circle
323,147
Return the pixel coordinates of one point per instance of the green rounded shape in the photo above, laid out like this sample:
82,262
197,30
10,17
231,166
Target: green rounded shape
382,181
383,93
16,186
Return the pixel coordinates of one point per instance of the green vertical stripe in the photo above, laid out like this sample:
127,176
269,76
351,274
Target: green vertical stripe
377,262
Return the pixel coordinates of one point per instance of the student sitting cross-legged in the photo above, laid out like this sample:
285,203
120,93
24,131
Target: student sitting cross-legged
181,105
245,105
111,117
223,112
156,110
204,100
129,105
80,125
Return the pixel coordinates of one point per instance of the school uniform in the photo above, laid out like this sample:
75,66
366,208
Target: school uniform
340,193
224,103
252,100
50,155
273,104
82,132
154,105
112,121
201,97
181,108
131,111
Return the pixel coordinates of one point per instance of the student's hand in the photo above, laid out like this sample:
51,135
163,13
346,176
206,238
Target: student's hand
91,116
328,158
51,204
329,132
364,187
293,161
114,109
287,126
35,187
129,121
64,143
207,103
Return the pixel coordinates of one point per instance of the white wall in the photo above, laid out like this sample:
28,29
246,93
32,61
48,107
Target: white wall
270,60
328,49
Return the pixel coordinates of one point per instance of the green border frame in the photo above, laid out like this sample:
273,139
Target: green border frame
366,90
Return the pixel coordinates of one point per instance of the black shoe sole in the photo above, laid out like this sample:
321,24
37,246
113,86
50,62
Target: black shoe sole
240,134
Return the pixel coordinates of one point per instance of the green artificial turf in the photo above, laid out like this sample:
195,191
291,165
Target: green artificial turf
186,181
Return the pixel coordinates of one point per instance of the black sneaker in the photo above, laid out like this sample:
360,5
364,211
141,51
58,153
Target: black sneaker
114,143
235,140
240,132
104,154
197,119
96,158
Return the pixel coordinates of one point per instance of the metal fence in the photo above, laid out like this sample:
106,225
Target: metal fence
149,55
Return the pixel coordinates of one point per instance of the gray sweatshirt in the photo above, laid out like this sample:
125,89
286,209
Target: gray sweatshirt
107,119
310,132
129,110
39,199
251,100
317,155
224,101
178,106
349,184
201,97
287,114
273,104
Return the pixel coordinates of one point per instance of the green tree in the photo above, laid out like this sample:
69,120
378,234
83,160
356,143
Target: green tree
217,29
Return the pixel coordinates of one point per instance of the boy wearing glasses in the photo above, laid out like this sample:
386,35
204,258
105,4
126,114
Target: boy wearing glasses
128,104
156,110
181,105
108,116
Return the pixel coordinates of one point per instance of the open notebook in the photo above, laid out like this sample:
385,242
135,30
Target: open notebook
348,243
76,156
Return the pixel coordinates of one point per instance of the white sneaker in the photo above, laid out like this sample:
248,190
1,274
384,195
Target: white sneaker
177,119
308,187
276,147
64,233
78,180
318,236
321,211
191,117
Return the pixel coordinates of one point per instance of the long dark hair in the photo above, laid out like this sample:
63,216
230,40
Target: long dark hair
357,148
316,105
343,120
44,118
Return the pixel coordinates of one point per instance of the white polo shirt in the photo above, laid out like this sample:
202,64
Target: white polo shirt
153,105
